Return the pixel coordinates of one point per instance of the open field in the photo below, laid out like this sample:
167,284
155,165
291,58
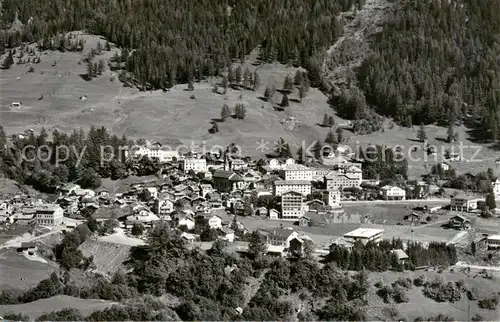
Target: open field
173,117
59,302
18,272
419,305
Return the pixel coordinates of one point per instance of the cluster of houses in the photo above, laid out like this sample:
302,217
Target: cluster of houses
195,192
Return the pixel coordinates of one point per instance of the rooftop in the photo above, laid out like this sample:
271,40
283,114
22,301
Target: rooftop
364,232
494,237
284,182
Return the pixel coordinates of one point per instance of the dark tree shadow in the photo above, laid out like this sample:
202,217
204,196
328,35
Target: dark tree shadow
442,140
295,100
414,140
216,120
85,77
322,125
262,98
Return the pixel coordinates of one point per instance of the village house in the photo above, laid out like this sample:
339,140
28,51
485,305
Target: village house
445,166
314,205
227,181
69,189
393,193
296,248
214,222
184,220
189,238
493,242
206,189
227,234
400,255
274,214
339,162
463,203
150,193
281,237
459,222
332,197
495,186
49,215
301,186
163,206
292,205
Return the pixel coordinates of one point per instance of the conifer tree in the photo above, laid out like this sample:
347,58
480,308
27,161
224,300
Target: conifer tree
256,81
450,133
421,134
225,112
297,80
285,101
325,120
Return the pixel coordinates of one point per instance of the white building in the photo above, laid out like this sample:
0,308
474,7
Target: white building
493,241
364,235
393,193
301,186
195,164
463,203
338,181
332,197
281,237
49,215
154,151
296,172
292,205
215,222
496,188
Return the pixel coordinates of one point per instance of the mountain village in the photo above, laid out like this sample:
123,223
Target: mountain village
230,196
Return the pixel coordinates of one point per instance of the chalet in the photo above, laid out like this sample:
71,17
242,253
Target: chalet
314,204
464,203
304,221
150,193
459,222
69,189
413,217
261,211
163,206
227,234
401,255
214,222
206,189
185,220
296,247
493,242
495,186
281,237
189,238
274,214
393,193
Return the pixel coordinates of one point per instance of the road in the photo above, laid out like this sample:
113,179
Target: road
488,268
422,202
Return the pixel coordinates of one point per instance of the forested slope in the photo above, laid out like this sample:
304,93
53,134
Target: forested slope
437,61
177,40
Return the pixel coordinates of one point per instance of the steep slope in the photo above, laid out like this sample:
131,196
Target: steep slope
350,50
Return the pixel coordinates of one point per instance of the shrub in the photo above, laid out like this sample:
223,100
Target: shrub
489,303
399,295
441,292
379,284
15,317
404,282
419,281
477,317
192,97
472,294
385,293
